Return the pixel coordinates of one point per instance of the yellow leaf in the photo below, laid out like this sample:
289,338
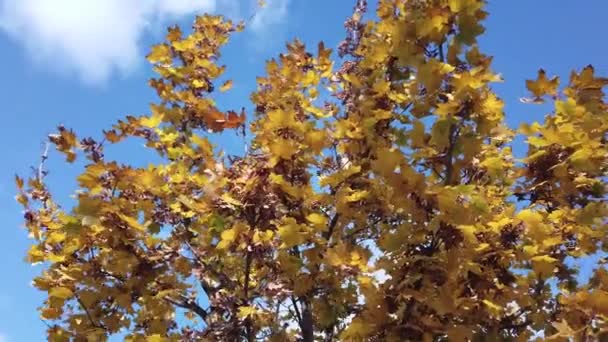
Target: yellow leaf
88,206
303,285
493,165
538,141
535,155
51,313
543,265
542,85
151,121
247,311
433,25
263,236
417,134
527,129
440,134
313,93
124,300
430,74
90,179
21,199
352,79
552,241
160,54
457,6
19,182
228,236
55,237
290,234
482,247
387,162
54,258
196,83
493,107
357,330
226,86
283,148
365,281
132,222
277,119
317,112
532,219
336,178
150,179
174,34
581,157
317,140
494,309
155,338
285,186
356,196
230,200
317,219
468,232
60,292
184,44
563,330
448,108
530,251
310,78
598,300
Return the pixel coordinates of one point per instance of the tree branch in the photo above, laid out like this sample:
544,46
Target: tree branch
45,323
223,279
297,310
307,321
515,326
440,51
43,158
449,166
332,226
248,328
89,316
187,303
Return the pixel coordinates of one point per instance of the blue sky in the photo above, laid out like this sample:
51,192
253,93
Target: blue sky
80,63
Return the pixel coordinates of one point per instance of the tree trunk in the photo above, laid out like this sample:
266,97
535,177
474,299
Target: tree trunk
307,321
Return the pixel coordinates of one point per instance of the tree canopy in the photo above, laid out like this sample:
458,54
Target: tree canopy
379,200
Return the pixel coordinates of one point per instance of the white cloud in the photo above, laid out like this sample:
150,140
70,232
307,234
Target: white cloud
93,38
274,13
181,7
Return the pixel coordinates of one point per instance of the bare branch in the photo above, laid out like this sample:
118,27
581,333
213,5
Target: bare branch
190,304
45,155
89,316
248,328
332,226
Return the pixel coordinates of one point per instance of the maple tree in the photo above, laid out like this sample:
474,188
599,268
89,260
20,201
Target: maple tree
380,199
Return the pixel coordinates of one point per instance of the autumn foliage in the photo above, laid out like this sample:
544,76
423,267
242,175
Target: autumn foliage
379,200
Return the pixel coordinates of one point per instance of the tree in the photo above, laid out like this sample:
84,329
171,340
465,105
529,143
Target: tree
379,201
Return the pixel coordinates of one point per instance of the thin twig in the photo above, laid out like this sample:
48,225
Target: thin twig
295,307
249,331
93,322
43,158
449,166
441,56
332,226
187,303
46,323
